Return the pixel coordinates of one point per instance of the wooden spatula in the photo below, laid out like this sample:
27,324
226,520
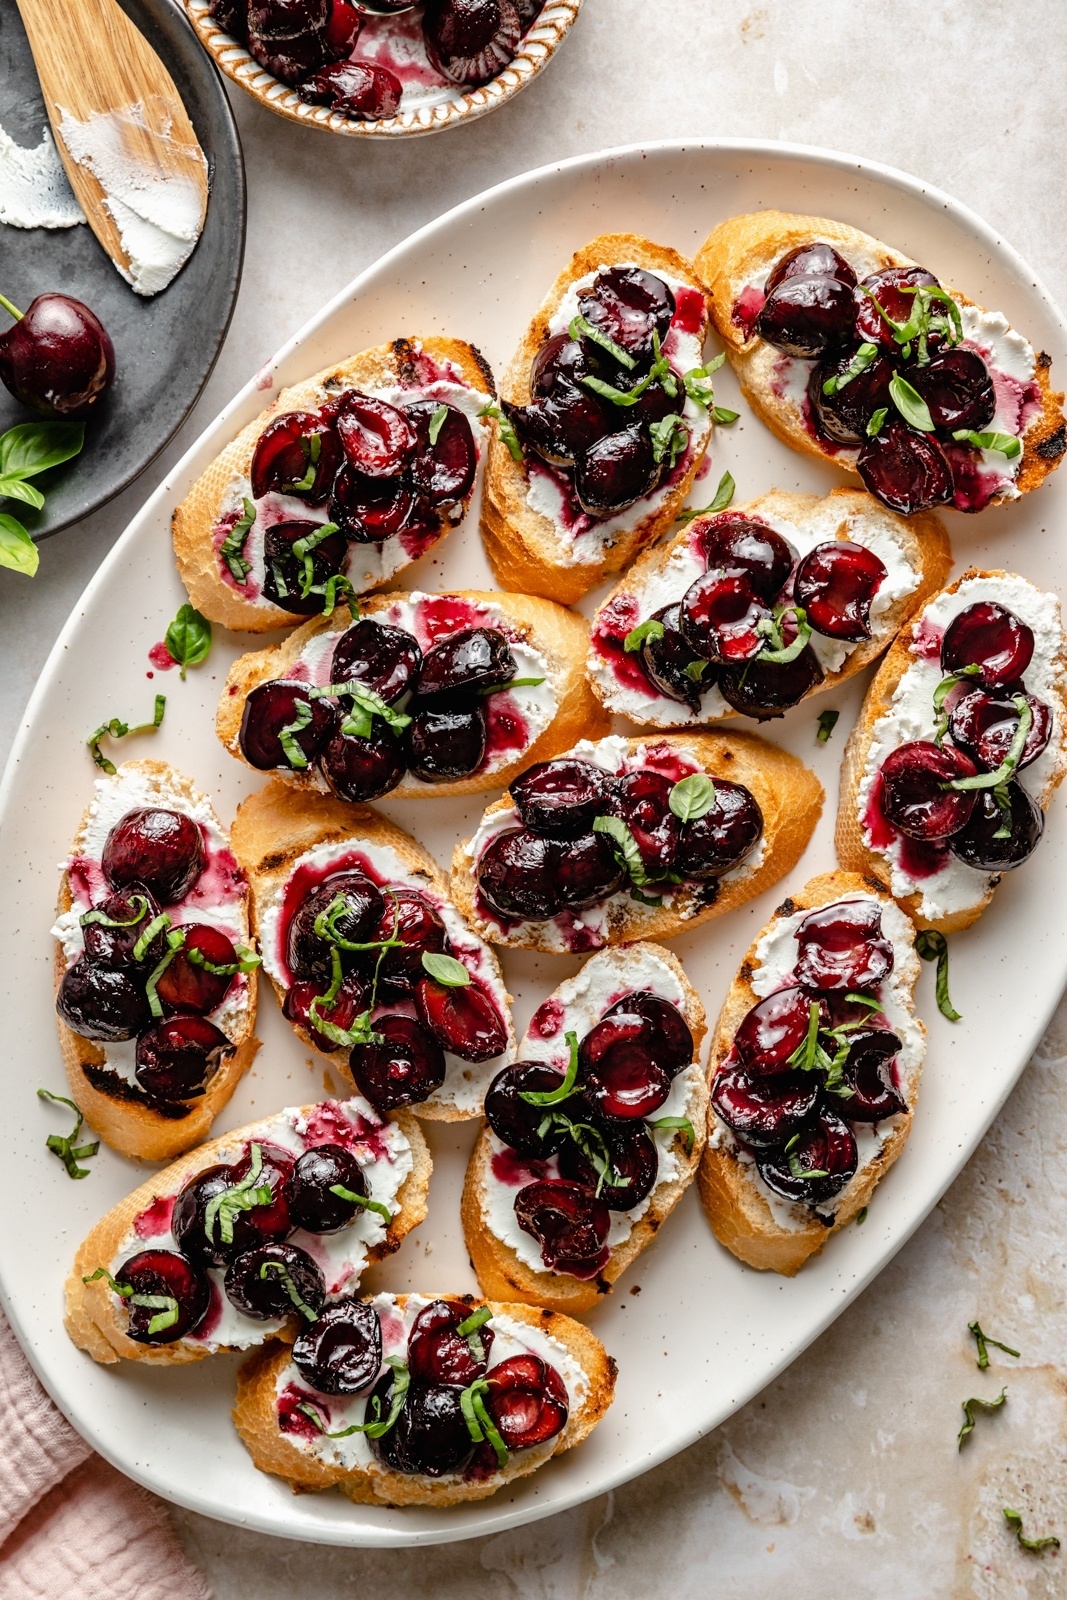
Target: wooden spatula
93,64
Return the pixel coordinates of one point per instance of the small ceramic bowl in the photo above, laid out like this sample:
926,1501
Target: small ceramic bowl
438,106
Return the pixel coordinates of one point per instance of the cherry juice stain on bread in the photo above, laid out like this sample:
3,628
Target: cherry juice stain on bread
853,352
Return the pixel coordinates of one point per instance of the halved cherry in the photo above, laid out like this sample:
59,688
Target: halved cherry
642,800
200,1225
371,510
156,1275
768,688
559,360
836,584
258,1282
815,260
772,1029
285,573
363,768
518,1123
569,1223
443,472
825,1149
438,1353
588,872
430,1437
361,909
630,1151
980,844
468,661
364,90
674,1049
464,1021
916,797
561,425
377,439
409,917
721,839
378,657
616,471
156,849
720,617
628,305
187,983
957,388
992,638
341,1352
404,1069
843,414
348,1003
842,946
985,724
517,875
670,663
177,1058
868,1073
619,1060
296,447
806,315
527,1400
764,1111
130,910
905,470
739,547
277,707
470,41
888,289
560,799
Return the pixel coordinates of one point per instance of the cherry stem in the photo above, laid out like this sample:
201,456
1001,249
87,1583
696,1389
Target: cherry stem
10,309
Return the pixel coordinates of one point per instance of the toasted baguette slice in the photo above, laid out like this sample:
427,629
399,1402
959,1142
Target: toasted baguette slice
528,551
916,554
308,1460
277,827
552,642
101,1075
740,253
95,1318
508,1261
789,796
215,501
756,1225
899,708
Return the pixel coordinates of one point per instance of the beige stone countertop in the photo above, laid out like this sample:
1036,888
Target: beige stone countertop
841,1481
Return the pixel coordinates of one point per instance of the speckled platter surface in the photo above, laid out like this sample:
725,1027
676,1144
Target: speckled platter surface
165,347
704,1333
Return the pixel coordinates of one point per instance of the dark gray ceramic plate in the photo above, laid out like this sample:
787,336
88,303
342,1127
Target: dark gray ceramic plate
164,347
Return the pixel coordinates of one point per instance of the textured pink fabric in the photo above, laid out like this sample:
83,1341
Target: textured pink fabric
69,1523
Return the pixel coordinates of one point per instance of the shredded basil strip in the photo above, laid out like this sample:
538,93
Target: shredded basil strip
361,1200
244,1196
437,422
580,328
693,797
287,736
337,589
508,435
365,705
723,415
373,1430
445,969
1015,1523
361,1031
827,723
290,1288
669,435
683,1125
993,780
795,1168
96,915
942,692
247,961
931,945
232,548
476,1320
969,1413
1005,444
779,652
650,629
123,1290
117,729
175,940
157,925
723,496
874,426
983,1342
480,1424
809,1055
63,1145
312,448
861,1216
512,683
553,1097
165,1304
303,549
859,363
698,384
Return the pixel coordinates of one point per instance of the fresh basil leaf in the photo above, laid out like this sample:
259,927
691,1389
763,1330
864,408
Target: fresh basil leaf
723,415
508,436
33,447
652,628
874,426
554,1097
287,737
580,328
63,1145
1015,1523
693,797
910,403
445,969
437,422
983,1341
670,436
778,651
683,1125
969,1409
624,848
1006,444
18,489
232,547
17,549
827,724
859,363
723,496
188,639
931,945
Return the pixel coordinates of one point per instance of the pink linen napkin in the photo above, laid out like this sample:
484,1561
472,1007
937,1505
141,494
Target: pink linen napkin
69,1523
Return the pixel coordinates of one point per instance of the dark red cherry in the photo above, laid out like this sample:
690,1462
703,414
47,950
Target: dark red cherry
740,548
642,800
112,943
343,26
285,19
442,471
58,358
464,1020
285,574
177,1058
265,1283
473,659
767,688
977,843
314,1204
103,1002
764,1111
773,1029
906,471
816,260
403,1070
561,798
381,658
836,584
720,618
720,840
163,1274
527,1400
517,873
293,447
350,1002
957,389
886,288
163,851
371,510
989,636
407,916
202,1237
616,471
569,1223
843,415
560,359
826,1146
984,725
804,316
430,1436
671,665
363,904
377,439
631,1152
275,707
187,983
514,1120
471,41
628,305
842,946
868,1073
231,16
363,90
290,60
674,1048
447,742
620,1065
560,426
358,768
915,793
341,1352
438,1353
588,872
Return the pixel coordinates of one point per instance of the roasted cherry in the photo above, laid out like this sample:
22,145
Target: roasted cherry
587,872
629,305
187,983
447,742
905,470
58,358
769,688
314,1203
720,617
978,843
341,1352
642,800
514,1120
265,1283
442,471
163,1274
804,316
561,798
177,1058
343,26
285,19
842,946
470,41
360,89
569,1223
672,665
773,1029
620,1063
957,388
827,1147
560,426
616,471
163,851
231,15
721,839
560,359
408,916
350,1001
371,510
868,1074
916,797
992,638
463,1019
112,943
277,707
438,1353
764,1111
381,658
741,548
296,447
404,1069
102,1002
889,290
985,725
377,439
817,260
843,414
632,1156
362,908
517,873
674,1046
430,1436
527,1400
836,584
363,768
203,1238
471,661
285,573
